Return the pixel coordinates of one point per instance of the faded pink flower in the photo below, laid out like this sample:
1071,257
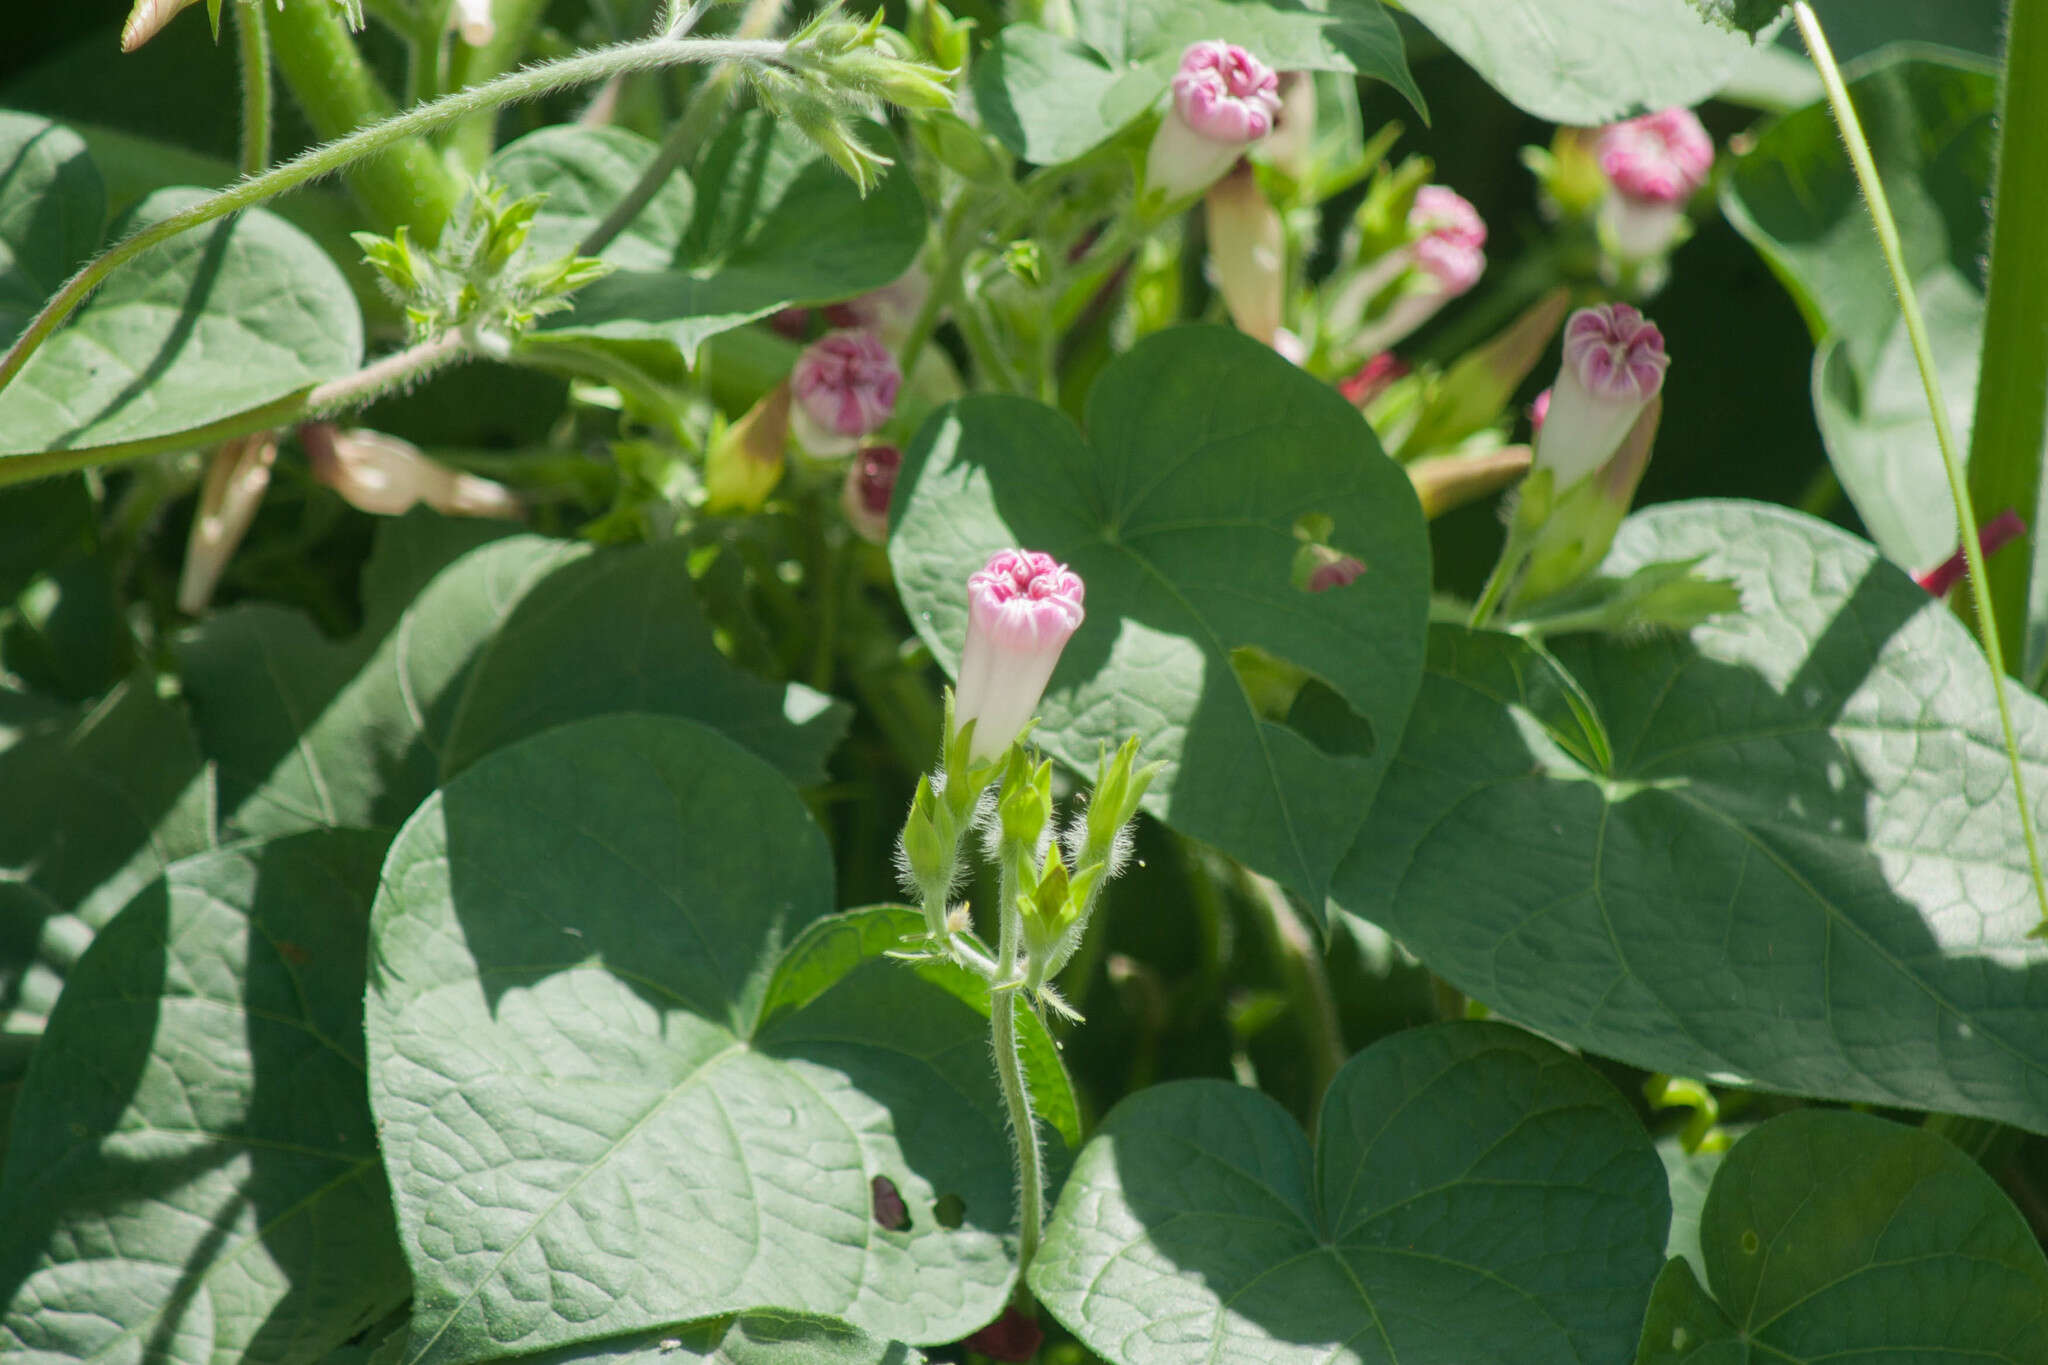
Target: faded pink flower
1450,247
1614,364
1660,158
1992,536
845,387
387,476
870,483
1022,608
1224,99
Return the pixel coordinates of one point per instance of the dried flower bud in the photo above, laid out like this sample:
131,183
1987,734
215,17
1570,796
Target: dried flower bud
1022,608
235,479
1248,249
1224,99
383,475
1614,363
870,484
844,386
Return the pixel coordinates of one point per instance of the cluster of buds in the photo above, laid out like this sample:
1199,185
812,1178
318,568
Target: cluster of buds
1023,607
1632,180
832,67
479,278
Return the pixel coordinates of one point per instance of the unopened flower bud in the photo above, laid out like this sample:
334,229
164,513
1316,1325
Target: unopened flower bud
870,483
1445,482
387,477
1022,608
236,476
1451,238
1539,410
1248,249
844,387
1653,164
1224,99
1614,364
1579,528
1992,536
744,462
473,20
927,854
1569,183
147,19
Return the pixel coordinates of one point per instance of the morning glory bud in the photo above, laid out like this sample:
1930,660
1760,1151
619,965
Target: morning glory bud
1443,257
1248,250
870,483
1224,99
1614,365
844,386
387,477
1022,607
1450,238
744,461
1653,164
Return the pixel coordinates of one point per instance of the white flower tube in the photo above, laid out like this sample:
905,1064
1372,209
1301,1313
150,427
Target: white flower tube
1022,608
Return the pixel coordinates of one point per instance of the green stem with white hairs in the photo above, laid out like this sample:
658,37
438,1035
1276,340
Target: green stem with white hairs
1923,354
328,158
1002,1021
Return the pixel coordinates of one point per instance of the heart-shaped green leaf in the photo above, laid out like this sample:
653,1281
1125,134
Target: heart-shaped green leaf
603,1106
1779,851
1050,98
225,318
1475,1194
1587,61
1842,1238
584,172
52,207
777,225
1794,196
1208,458
514,636
193,1176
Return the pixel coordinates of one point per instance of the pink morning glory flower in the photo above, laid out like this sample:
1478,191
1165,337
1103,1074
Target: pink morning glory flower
1451,238
1224,99
845,387
1614,363
1022,608
1653,165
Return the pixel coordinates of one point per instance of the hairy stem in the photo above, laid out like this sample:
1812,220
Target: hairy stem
2010,434
1002,1031
330,157
1923,353
399,180
252,38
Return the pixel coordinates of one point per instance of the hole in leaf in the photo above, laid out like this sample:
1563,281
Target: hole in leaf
950,1211
1319,566
1283,694
891,1214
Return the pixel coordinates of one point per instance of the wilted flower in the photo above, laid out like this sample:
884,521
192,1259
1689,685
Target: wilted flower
844,386
870,483
386,476
1653,164
1022,608
1224,99
1614,364
235,479
1248,249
